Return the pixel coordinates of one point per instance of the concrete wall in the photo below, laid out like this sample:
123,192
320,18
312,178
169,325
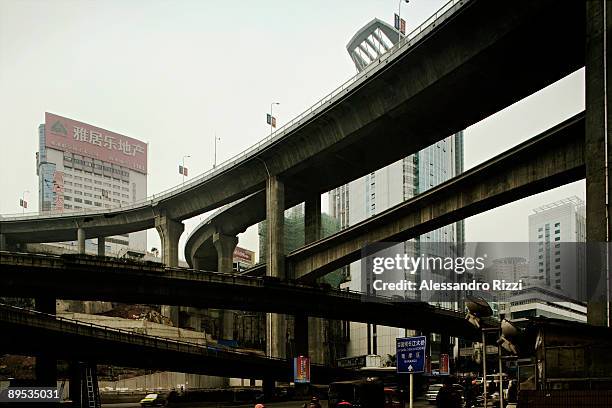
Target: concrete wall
163,380
142,327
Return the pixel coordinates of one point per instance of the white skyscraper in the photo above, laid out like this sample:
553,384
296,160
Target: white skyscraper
554,261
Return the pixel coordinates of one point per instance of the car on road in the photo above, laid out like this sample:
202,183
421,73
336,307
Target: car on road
433,389
154,400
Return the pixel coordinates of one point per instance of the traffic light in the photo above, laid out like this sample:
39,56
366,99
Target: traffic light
510,337
477,308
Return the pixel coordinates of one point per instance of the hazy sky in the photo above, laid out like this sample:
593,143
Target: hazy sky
174,73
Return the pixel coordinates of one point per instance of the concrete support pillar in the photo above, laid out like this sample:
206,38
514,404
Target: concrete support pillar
275,216
169,231
300,331
598,152
268,386
46,362
81,240
101,246
3,242
225,246
316,340
312,219
301,334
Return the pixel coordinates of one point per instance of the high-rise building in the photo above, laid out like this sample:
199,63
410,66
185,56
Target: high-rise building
554,260
80,166
389,186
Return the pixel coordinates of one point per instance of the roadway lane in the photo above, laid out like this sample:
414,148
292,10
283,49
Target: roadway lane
419,403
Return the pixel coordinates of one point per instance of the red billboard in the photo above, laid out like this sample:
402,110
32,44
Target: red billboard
244,255
90,141
444,364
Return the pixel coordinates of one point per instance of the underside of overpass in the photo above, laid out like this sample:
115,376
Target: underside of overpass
74,341
91,278
549,160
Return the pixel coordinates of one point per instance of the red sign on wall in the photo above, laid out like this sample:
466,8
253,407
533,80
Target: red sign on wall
301,369
90,141
444,364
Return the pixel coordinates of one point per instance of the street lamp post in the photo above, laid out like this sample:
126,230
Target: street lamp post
399,23
23,200
272,115
184,157
478,308
215,158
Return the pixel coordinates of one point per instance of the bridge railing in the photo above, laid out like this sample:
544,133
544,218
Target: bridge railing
403,45
218,277
14,314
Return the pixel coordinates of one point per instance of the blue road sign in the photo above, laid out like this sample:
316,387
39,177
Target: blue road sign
410,354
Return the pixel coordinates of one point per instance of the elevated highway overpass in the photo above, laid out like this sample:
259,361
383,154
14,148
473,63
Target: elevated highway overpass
467,62
92,278
35,333
548,160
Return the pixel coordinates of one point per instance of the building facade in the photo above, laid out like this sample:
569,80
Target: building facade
555,261
80,166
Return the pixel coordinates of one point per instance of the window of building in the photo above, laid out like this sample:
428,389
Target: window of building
557,231
97,204
87,202
557,224
557,239
67,198
78,192
67,206
77,200
87,194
